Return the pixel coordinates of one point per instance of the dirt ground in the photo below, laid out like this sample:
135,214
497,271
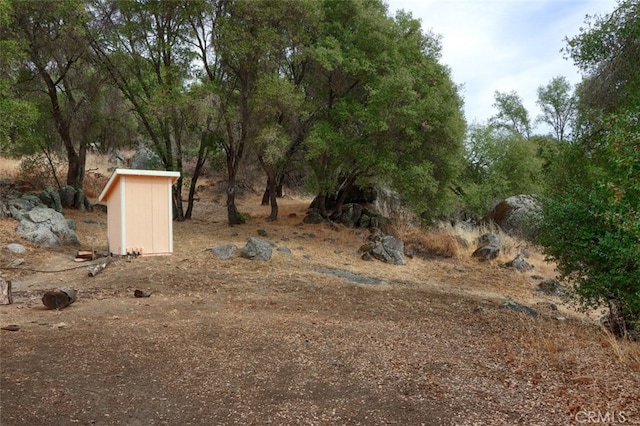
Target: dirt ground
240,342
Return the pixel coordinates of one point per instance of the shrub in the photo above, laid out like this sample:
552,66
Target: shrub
592,229
41,170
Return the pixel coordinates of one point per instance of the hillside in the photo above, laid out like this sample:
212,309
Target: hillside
289,342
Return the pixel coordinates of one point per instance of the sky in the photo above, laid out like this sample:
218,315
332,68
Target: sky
504,45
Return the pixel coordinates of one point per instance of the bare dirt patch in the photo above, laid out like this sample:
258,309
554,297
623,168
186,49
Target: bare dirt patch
285,342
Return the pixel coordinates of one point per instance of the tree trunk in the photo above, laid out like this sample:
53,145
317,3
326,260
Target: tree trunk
273,200
278,188
202,155
321,204
342,195
177,201
232,212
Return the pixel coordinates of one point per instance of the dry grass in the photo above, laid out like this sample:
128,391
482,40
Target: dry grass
9,167
626,352
279,340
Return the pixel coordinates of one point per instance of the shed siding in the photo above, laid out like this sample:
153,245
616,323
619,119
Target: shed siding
139,214
114,223
146,215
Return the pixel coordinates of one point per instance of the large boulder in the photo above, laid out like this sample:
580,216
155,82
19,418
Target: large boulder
385,248
146,159
518,215
18,207
51,198
257,249
73,198
46,226
388,202
351,214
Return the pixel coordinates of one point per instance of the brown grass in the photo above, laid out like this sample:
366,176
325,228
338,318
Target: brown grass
9,167
433,333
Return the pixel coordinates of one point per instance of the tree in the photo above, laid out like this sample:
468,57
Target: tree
608,52
142,47
591,227
512,116
592,231
284,110
55,53
388,112
558,105
19,115
498,165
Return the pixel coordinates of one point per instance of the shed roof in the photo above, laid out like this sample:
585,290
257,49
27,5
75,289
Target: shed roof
134,172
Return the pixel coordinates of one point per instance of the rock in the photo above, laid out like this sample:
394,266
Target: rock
519,264
517,307
351,214
17,262
313,217
462,242
517,215
489,247
19,206
146,159
365,221
385,248
550,287
283,249
257,249
141,293
486,252
388,203
488,239
359,279
51,198
81,202
46,226
67,196
224,251
16,248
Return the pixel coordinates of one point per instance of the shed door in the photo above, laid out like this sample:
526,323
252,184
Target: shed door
148,214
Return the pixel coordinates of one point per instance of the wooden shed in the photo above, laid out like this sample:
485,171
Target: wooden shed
139,211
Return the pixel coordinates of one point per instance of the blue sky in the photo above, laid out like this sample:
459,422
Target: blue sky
504,45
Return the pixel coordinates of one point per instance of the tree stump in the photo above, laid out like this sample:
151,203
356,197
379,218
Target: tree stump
59,299
6,298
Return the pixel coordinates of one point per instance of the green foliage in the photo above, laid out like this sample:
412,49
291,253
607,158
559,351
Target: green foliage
558,105
592,228
512,116
608,52
499,165
389,112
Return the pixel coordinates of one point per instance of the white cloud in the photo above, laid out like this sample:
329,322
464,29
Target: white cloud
505,45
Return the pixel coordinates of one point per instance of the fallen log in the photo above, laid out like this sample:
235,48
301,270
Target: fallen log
98,267
6,298
59,299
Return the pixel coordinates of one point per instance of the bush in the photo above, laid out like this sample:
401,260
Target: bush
592,230
40,170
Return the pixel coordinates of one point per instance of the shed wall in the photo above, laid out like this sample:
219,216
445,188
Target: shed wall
114,222
147,214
